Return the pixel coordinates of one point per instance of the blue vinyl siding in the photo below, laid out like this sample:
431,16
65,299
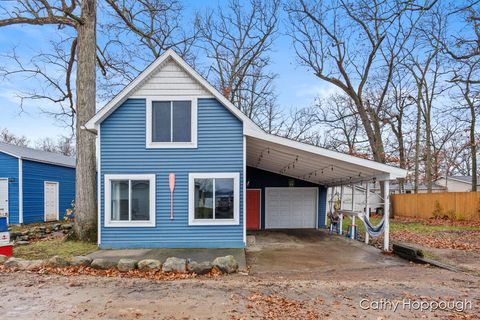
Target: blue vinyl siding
123,151
34,176
9,169
261,179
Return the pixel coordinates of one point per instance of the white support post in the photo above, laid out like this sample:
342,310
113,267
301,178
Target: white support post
386,212
367,212
352,234
341,214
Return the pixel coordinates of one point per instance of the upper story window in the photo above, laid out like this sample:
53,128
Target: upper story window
171,123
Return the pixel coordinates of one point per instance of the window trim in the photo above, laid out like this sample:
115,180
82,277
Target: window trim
108,178
149,126
191,199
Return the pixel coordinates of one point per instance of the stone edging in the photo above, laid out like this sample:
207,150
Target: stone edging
226,264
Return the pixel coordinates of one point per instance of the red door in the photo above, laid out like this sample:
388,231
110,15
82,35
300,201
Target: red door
253,209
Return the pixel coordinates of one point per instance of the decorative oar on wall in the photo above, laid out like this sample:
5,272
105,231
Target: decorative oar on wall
171,180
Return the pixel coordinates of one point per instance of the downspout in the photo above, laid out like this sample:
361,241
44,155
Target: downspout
20,190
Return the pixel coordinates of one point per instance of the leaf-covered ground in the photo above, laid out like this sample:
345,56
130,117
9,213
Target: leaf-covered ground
434,233
330,295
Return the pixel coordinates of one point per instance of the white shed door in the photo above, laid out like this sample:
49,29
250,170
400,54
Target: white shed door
3,195
51,201
290,208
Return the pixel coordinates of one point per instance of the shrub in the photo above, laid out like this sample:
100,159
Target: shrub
438,210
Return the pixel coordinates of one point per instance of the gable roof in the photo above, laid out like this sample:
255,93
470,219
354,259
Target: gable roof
462,179
250,129
123,95
37,155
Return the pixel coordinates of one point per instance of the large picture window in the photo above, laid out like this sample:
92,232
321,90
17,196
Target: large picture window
129,200
171,123
213,198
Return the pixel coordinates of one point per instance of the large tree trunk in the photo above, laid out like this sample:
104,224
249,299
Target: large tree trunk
86,191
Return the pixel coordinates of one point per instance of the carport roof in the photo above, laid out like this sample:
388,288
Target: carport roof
318,165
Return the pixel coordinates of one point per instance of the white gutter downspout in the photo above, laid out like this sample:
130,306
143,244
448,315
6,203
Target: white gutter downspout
20,190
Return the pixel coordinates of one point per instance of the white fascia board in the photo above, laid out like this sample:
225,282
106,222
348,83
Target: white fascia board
393,172
93,123
10,154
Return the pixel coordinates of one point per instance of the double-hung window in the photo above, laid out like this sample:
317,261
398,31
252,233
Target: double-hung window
130,200
214,198
171,123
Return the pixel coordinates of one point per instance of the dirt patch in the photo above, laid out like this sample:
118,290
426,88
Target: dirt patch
337,295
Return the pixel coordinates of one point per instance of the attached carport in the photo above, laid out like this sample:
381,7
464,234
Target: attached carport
288,181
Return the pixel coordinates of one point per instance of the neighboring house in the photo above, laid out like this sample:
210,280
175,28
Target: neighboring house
35,185
229,174
409,187
457,183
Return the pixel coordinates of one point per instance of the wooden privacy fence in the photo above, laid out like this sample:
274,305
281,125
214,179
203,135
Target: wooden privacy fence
455,205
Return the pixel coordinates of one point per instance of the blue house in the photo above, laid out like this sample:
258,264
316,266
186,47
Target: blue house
35,185
179,166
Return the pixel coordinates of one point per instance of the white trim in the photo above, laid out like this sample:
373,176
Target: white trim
259,207
8,199
244,191
391,172
99,185
20,190
107,201
149,143
386,214
45,200
191,198
292,188
93,123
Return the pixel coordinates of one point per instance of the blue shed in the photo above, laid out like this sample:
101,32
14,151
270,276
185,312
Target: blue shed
180,166
35,185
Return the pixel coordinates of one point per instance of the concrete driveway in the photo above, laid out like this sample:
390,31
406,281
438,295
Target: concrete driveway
312,253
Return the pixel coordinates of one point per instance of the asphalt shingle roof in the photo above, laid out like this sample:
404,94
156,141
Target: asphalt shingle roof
37,155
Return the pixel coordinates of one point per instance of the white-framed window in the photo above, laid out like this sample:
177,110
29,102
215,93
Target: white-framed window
171,122
214,198
130,200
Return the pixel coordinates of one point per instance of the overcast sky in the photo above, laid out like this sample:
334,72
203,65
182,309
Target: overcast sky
296,86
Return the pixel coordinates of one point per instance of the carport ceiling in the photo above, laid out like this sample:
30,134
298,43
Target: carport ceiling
314,164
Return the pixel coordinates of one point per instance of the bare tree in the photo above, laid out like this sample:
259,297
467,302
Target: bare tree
463,49
356,47
62,145
10,138
80,19
46,144
427,68
138,32
53,69
339,118
237,39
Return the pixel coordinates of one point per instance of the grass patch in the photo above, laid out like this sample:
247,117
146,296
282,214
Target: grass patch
49,248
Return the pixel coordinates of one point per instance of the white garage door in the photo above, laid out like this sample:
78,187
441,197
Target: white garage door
290,208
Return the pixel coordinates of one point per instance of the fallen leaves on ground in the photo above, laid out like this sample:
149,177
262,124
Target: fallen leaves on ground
278,307
439,222
82,270
459,240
